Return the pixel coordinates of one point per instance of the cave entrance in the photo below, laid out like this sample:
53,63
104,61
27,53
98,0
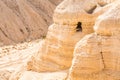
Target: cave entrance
79,27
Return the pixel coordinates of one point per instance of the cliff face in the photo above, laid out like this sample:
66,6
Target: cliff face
96,56
72,21
81,44
23,20
93,57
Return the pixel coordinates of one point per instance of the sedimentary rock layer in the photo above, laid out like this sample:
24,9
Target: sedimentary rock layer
96,56
22,20
72,21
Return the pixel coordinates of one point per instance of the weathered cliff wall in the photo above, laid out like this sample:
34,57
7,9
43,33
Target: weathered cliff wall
96,56
73,49
72,21
23,20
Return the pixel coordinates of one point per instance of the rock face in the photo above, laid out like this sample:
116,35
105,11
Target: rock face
72,21
96,56
72,49
22,20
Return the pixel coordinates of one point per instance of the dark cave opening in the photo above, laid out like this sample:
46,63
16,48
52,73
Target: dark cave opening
79,27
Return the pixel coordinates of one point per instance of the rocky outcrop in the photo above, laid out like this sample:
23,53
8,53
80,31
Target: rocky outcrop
72,21
96,56
24,20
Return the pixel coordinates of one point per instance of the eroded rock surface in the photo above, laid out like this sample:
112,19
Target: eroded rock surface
72,49
96,56
72,21
24,20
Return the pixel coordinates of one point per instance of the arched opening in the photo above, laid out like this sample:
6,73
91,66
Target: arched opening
79,27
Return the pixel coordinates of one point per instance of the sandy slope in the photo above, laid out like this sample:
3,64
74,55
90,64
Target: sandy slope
14,56
22,20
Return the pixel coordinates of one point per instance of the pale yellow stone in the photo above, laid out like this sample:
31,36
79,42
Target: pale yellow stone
56,52
96,56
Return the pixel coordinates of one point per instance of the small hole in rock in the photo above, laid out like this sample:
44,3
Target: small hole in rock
79,27
21,31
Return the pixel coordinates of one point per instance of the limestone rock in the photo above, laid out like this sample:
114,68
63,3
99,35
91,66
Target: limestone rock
110,36
87,60
96,56
72,21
